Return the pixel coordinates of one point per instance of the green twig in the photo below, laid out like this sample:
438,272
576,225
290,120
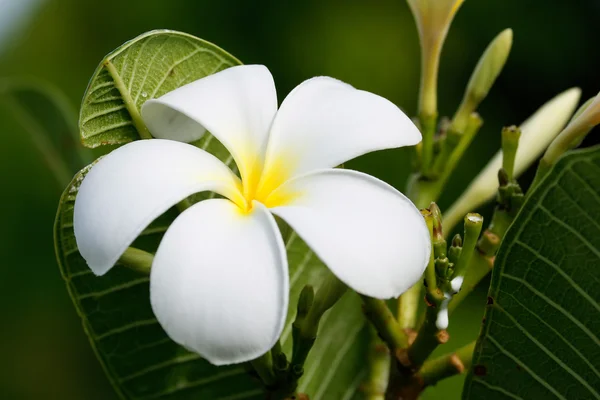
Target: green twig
446,366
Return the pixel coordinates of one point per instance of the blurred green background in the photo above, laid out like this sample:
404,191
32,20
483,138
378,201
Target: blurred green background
371,44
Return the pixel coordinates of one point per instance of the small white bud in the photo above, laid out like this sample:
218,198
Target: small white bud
537,132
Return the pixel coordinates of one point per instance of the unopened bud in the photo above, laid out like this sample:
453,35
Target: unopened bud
441,267
503,178
457,240
577,129
536,133
487,70
455,249
437,221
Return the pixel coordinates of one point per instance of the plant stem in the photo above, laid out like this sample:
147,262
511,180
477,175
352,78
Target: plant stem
428,337
446,366
473,223
137,260
408,305
384,322
427,189
478,268
379,369
263,366
428,127
482,261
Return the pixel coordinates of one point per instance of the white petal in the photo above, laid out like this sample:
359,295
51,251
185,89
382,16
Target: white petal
369,234
130,187
236,105
324,122
219,282
537,132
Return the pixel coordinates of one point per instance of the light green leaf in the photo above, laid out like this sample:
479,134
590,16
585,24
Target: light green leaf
540,338
46,117
144,68
138,357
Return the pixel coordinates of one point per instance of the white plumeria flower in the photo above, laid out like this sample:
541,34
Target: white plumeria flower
219,280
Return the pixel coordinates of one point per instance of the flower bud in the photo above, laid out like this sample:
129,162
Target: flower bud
433,18
577,129
536,133
487,70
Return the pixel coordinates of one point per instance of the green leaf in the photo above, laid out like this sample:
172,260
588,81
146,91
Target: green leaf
46,117
144,68
540,337
138,357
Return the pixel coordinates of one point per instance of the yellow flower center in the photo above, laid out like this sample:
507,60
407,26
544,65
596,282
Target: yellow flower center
263,184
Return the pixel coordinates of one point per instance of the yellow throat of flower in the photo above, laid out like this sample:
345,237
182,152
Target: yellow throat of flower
264,184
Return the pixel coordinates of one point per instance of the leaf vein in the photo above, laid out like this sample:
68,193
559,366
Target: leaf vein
554,305
562,273
557,360
125,328
114,289
497,388
557,333
526,368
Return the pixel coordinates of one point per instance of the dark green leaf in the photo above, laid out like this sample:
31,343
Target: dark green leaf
46,116
540,333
